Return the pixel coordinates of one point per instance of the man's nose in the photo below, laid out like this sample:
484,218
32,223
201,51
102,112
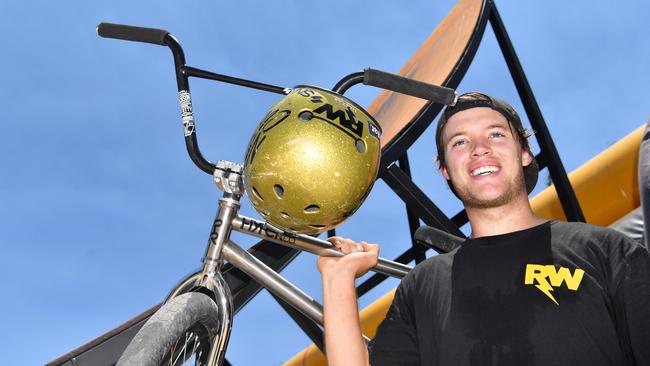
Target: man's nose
481,148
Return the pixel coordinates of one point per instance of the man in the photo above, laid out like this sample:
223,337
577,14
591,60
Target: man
520,291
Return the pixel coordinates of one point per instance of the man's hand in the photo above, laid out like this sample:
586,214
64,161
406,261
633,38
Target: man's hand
345,346
359,258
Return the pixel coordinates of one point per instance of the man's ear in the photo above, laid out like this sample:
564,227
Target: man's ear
526,157
443,170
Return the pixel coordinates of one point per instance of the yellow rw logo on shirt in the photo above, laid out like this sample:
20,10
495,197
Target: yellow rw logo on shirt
546,277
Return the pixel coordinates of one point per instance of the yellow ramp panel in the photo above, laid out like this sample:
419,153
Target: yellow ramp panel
606,186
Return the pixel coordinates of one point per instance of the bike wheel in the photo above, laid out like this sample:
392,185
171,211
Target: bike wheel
179,333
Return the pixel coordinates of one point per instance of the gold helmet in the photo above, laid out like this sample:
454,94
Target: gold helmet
312,160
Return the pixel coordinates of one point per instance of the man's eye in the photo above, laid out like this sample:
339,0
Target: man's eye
497,134
459,143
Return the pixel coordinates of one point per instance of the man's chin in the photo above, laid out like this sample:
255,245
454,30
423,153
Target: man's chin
485,200
490,194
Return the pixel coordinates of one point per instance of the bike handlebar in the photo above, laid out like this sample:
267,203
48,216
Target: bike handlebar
131,33
400,84
162,37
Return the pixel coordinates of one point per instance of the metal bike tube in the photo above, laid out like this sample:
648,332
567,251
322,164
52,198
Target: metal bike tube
219,234
310,244
223,299
272,281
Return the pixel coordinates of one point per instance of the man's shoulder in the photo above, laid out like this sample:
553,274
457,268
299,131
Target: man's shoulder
431,276
439,264
586,231
586,238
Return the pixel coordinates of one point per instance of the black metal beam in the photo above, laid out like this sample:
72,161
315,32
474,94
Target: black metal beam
308,326
418,201
413,220
557,172
460,218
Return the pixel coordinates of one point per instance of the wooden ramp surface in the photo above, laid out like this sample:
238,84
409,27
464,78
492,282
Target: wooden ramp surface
445,54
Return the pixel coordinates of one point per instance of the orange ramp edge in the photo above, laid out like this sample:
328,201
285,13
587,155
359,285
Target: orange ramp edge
606,186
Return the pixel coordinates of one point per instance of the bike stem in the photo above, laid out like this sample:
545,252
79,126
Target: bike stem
228,178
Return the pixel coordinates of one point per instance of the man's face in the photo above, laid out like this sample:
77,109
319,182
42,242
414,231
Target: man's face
483,159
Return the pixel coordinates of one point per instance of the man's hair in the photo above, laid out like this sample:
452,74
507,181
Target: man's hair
477,100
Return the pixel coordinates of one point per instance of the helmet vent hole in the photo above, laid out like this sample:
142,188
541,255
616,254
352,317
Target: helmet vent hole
312,208
257,194
305,116
284,215
265,213
361,146
316,226
279,191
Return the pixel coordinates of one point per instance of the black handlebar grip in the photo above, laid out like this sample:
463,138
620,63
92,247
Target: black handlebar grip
437,239
400,84
131,33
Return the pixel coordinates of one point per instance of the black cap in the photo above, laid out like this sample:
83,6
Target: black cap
477,100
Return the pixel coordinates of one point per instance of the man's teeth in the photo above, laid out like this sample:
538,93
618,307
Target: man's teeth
484,170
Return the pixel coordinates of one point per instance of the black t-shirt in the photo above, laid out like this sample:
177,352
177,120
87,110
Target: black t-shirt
555,294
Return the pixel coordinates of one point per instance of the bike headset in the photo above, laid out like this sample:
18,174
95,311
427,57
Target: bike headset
477,100
312,160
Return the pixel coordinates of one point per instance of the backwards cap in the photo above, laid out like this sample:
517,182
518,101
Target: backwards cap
477,100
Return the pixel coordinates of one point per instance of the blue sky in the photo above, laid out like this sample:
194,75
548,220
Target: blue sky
101,211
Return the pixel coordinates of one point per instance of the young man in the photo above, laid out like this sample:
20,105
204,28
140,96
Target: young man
520,291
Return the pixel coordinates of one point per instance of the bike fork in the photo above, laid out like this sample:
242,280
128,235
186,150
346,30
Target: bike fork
228,179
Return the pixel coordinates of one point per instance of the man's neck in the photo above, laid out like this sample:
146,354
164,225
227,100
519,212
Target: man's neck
514,216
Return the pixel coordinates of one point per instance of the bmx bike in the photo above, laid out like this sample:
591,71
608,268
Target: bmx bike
193,324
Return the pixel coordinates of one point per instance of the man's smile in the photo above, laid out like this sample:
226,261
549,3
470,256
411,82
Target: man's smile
484,170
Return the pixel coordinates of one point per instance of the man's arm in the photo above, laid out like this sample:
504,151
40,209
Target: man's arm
632,300
343,338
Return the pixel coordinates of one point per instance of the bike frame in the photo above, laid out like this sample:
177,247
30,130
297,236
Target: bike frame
220,247
228,178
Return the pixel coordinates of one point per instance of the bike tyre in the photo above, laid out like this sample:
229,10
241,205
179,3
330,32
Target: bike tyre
190,312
